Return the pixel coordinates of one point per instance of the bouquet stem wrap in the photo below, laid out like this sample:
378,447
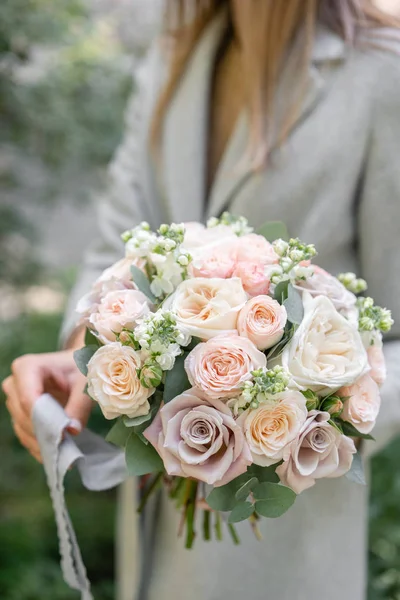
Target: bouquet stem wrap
101,466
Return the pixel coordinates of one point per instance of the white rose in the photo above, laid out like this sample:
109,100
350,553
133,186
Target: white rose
113,382
326,352
207,307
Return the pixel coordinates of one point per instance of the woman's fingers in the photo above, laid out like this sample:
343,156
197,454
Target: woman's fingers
79,405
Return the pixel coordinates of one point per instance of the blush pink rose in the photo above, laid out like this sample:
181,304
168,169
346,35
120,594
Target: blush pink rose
376,358
319,451
363,403
216,260
262,320
198,236
220,366
198,437
253,277
255,248
118,309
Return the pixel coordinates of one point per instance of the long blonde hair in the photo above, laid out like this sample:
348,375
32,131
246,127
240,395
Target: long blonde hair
266,30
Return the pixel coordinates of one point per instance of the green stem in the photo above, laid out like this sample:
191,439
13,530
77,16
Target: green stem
190,513
206,525
218,529
233,532
152,487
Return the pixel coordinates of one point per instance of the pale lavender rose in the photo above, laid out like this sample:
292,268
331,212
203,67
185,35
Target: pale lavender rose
113,382
198,437
322,283
319,451
118,310
262,320
220,366
207,307
362,405
273,425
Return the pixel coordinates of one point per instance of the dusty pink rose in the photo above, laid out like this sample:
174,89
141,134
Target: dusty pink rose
118,309
220,366
262,320
198,437
113,382
319,451
273,425
253,277
207,307
362,406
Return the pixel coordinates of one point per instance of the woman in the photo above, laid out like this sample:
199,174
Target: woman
282,109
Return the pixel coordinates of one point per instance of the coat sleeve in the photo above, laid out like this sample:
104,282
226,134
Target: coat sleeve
129,196
378,227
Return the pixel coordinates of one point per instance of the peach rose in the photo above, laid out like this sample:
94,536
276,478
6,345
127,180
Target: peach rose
113,382
207,307
326,352
272,426
118,309
362,406
319,451
253,276
220,366
262,320
198,437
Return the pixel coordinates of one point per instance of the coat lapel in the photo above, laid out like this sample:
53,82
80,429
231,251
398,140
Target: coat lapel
186,129
184,145
235,171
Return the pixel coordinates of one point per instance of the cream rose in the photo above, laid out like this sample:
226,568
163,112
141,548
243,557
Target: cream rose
326,352
262,320
117,310
113,382
220,366
319,451
198,236
362,405
198,437
272,426
207,307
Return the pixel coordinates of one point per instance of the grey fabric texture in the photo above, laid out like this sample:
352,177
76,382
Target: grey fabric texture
336,183
101,466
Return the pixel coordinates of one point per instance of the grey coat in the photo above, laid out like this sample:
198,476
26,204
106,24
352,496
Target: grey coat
335,183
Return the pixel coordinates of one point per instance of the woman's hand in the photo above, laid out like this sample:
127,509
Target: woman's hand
35,374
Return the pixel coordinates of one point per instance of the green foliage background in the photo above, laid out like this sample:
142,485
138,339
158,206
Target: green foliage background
67,123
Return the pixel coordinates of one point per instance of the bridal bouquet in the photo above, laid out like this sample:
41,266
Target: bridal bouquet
238,372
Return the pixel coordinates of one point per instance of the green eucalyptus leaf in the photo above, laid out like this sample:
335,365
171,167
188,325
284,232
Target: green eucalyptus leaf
273,230
176,380
351,431
241,512
245,489
294,306
356,473
91,339
142,283
223,497
82,357
136,420
263,474
272,499
141,459
281,291
118,434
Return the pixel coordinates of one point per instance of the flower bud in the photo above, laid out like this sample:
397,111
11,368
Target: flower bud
151,376
333,405
312,400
